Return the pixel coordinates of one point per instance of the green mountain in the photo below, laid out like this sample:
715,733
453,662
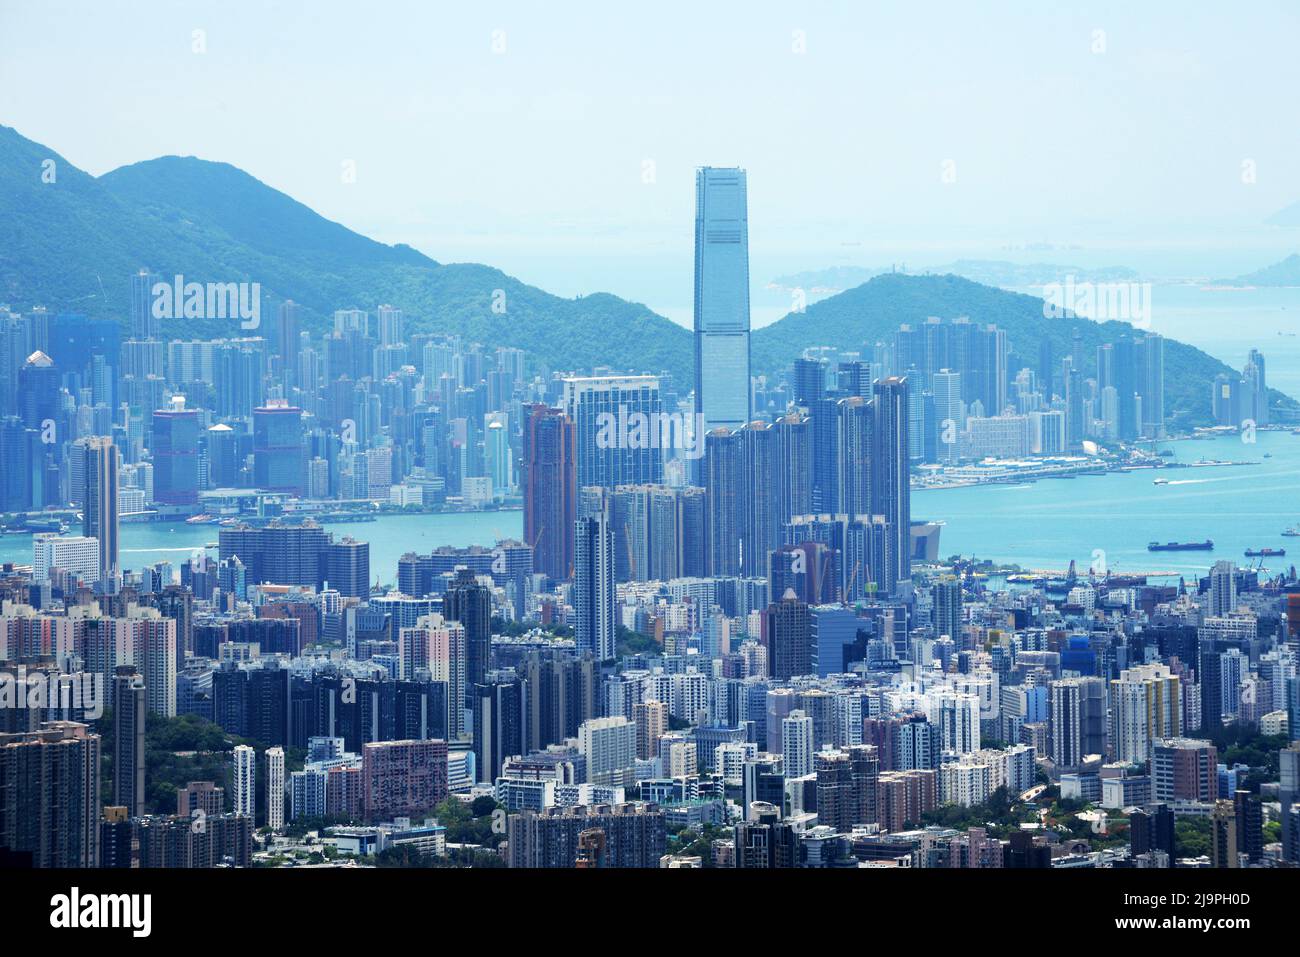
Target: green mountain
855,319
72,241
73,244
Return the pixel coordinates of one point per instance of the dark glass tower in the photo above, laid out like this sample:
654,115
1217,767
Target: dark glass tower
891,477
593,586
550,490
176,457
470,603
129,701
279,462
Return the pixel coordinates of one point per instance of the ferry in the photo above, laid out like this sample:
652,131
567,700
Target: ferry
1265,552
1204,546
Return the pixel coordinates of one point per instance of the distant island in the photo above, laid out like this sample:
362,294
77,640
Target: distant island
1284,273
990,272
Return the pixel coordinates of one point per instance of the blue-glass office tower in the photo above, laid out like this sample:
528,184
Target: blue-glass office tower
618,430
176,456
722,387
279,461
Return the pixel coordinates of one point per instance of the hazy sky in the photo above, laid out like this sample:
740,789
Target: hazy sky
532,155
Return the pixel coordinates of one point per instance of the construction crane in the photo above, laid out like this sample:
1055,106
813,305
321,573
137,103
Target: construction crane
853,576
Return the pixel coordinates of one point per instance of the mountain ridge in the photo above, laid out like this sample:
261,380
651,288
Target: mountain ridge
66,244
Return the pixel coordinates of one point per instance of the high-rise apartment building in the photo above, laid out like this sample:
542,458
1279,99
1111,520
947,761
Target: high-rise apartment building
100,506
1145,705
275,788
244,780
593,586
550,489
129,709
50,795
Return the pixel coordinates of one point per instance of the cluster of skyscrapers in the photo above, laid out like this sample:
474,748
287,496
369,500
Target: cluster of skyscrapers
721,641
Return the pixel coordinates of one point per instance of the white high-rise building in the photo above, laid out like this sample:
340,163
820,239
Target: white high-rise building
1223,590
1145,704
610,747
949,413
797,744
78,554
245,777
680,762
275,788
957,716
390,326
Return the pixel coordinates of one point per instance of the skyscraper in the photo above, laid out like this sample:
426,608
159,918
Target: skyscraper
470,603
289,344
279,459
593,586
891,477
724,483
245,775
1289,800
500,707
101,503
1223,590
722,388
176,455
761,525
129,707
1183,769
619,428
797,746
51,795
550,489
854,466
1076,720
789,638
275,788
142,318
1146,705
1255,394
439,645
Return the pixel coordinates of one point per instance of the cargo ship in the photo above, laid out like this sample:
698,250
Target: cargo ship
1265,552
1204,546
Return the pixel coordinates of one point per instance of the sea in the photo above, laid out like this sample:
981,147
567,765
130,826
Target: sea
1107,518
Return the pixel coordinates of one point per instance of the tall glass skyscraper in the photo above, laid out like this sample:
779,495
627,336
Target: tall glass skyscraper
100,506
722,388
891,477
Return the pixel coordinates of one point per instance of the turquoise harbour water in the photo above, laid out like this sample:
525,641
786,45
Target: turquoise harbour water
390,537
1046,524
1041,525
